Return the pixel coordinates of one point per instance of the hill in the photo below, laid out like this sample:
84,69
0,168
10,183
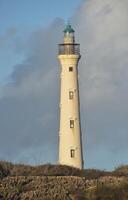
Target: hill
56,182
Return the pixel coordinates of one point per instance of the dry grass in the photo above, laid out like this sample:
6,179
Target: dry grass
56,182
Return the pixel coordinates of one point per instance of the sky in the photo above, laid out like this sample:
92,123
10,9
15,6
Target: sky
19,18
29,79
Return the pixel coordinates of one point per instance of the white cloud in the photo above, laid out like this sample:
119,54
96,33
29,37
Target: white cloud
103,34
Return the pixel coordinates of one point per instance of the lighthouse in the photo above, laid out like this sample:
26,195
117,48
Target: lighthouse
70,136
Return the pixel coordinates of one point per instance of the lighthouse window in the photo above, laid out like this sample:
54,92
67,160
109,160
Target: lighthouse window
70,69
71,123
70,94
72,153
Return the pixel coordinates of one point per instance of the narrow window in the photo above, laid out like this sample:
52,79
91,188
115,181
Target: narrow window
72,153
71,123
71,94
70,69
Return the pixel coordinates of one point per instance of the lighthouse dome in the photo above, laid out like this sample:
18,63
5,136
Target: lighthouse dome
68,29
69,35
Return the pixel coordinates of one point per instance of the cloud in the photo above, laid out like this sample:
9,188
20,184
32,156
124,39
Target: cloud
29,103
29,111
103,35
8,35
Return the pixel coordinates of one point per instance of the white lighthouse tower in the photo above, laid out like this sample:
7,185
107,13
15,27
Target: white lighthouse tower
70,139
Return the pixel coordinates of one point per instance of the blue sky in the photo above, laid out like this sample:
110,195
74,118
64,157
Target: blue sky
26,16
32,13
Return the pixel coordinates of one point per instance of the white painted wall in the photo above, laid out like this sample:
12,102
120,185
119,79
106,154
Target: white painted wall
69,138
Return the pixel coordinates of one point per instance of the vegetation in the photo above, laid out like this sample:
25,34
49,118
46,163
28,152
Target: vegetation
112,193
9,169
45,182
121,170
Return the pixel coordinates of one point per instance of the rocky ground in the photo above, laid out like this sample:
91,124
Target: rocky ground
55,188
51,188
55,182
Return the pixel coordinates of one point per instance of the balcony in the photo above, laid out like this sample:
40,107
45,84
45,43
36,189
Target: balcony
69,49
